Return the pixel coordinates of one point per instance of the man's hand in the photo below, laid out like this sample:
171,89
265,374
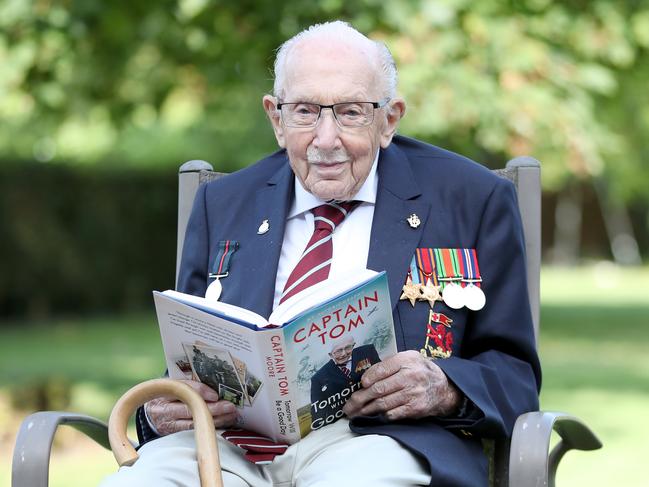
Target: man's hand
170,415
406,385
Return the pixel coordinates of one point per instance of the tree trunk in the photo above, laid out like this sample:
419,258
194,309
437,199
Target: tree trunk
621,237
567,226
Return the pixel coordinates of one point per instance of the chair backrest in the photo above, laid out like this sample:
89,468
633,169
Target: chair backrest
524,172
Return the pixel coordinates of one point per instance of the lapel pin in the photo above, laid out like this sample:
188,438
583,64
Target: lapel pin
413,220
263,228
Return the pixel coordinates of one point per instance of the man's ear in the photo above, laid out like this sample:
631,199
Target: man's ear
270,106
394,111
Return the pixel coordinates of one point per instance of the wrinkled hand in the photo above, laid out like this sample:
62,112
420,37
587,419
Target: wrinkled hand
169,415
406,385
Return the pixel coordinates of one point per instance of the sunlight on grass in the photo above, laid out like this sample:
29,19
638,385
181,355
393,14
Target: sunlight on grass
593,345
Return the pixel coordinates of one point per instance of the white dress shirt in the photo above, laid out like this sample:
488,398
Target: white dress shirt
351,240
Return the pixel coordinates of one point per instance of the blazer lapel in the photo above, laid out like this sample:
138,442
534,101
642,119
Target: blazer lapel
270,203
393,240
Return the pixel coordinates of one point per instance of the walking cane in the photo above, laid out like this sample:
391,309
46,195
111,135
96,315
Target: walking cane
209,467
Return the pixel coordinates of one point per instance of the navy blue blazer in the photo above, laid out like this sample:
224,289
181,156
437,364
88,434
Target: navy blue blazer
460,204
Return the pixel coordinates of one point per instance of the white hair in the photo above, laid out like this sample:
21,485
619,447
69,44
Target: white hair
337,30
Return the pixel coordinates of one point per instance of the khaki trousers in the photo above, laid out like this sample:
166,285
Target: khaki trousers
330,456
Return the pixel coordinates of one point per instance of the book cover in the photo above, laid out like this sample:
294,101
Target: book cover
289,380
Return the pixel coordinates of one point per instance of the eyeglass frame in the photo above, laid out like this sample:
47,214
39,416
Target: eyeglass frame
375,105
346,349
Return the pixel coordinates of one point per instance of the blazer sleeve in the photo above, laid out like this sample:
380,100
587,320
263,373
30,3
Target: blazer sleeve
497,367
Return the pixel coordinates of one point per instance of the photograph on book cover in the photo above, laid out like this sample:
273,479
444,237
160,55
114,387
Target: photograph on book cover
332,347
217,368
250,381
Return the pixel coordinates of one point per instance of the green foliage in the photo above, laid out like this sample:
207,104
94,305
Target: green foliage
517,78
158,82
80,240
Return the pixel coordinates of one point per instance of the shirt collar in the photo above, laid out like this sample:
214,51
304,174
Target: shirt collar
304,201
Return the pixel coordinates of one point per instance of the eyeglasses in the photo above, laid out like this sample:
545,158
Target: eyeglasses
342,350
347,114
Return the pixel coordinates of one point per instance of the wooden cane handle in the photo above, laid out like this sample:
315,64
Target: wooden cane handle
207,453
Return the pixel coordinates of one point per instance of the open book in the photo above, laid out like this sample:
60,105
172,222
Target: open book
290,378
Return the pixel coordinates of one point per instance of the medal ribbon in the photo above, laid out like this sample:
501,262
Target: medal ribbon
424,266
458,264
470,264
448,266
222,260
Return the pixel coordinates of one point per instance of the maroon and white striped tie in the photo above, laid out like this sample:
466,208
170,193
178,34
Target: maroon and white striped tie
315,263
259,449
345,370
312,268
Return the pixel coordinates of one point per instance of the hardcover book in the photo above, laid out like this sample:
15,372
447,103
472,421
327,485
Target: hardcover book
289,374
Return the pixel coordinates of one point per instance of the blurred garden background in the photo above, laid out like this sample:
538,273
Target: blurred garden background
102,100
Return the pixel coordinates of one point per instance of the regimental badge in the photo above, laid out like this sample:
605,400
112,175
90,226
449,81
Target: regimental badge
439,338
362,365
413,220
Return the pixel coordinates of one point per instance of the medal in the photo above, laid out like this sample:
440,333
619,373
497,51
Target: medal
213,292
430,293
453,295
474,297
409,291
221,268
450,275
423,269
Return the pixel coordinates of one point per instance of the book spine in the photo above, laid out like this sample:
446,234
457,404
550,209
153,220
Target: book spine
282,398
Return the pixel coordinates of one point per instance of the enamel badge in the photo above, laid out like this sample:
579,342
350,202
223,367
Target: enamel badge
439,338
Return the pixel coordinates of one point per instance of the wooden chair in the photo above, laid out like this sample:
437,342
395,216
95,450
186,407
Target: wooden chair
525,461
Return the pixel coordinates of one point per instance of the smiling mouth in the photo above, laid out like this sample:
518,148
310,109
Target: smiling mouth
329,168
327,163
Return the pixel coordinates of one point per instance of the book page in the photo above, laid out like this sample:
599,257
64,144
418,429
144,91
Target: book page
224,355
317,295
217,308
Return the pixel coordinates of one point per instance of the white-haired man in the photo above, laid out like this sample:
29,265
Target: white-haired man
418,211
341,374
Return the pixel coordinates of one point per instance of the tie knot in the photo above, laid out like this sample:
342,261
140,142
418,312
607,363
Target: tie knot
330,215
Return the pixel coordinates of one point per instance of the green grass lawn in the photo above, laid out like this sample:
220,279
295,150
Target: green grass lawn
593,345
594,339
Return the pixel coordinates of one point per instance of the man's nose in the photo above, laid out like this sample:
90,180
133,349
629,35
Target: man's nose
327,131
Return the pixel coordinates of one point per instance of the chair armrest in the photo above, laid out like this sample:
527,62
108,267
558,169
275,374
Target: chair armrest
31,458
530,464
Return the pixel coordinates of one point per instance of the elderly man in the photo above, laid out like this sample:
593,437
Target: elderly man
415,211
347,365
